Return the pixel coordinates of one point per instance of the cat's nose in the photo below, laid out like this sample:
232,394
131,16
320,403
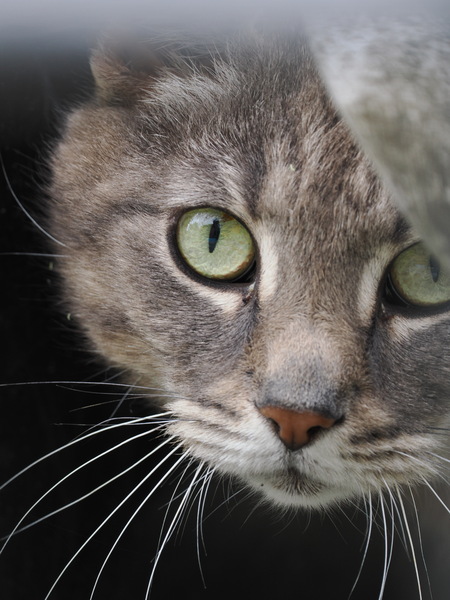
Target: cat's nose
296,429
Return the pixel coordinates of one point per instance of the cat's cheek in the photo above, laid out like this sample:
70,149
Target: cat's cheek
231,436
410,368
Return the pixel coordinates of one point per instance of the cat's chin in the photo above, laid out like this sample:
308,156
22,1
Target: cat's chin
292,489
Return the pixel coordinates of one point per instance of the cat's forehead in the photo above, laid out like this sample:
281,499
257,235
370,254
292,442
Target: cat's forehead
300,182
268,145
258,138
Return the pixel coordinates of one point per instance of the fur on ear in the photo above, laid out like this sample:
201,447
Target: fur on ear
122,72
126,67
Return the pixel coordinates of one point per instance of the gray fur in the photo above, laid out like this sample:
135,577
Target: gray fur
250,130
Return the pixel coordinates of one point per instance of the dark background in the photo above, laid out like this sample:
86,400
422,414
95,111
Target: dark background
250,552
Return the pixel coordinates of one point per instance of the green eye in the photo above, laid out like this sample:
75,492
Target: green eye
417,278
215,244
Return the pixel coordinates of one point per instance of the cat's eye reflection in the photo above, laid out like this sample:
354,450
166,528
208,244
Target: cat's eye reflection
215,244
416,278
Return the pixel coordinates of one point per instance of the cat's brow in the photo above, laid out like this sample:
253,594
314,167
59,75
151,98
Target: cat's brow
131,207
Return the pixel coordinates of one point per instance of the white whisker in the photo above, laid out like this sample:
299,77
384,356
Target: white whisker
137,510
77,440
97,404
148,395
173,525
115,374
40,254
366,548
87,383
251,512
110,424
200,513
438,456
402,532
392,528
421,462
411,544
195,497
392,514
386,549
16,529
420,541
24,210
122,400
436,494
113,512
225,502
173,498
176,496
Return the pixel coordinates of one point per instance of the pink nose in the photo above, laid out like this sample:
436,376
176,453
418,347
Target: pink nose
296,429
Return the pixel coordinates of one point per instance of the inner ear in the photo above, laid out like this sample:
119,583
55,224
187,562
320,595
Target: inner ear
126,67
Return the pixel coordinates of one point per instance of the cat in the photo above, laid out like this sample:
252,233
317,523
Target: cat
223,238
310,395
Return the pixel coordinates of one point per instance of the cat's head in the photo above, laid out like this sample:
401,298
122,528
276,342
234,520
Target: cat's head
228,243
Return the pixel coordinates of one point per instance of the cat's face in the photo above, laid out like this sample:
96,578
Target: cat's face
311,323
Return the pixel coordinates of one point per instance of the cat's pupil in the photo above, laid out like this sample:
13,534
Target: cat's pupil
214,234
434,268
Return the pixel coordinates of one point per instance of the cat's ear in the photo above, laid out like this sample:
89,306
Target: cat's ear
123,70
126,69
